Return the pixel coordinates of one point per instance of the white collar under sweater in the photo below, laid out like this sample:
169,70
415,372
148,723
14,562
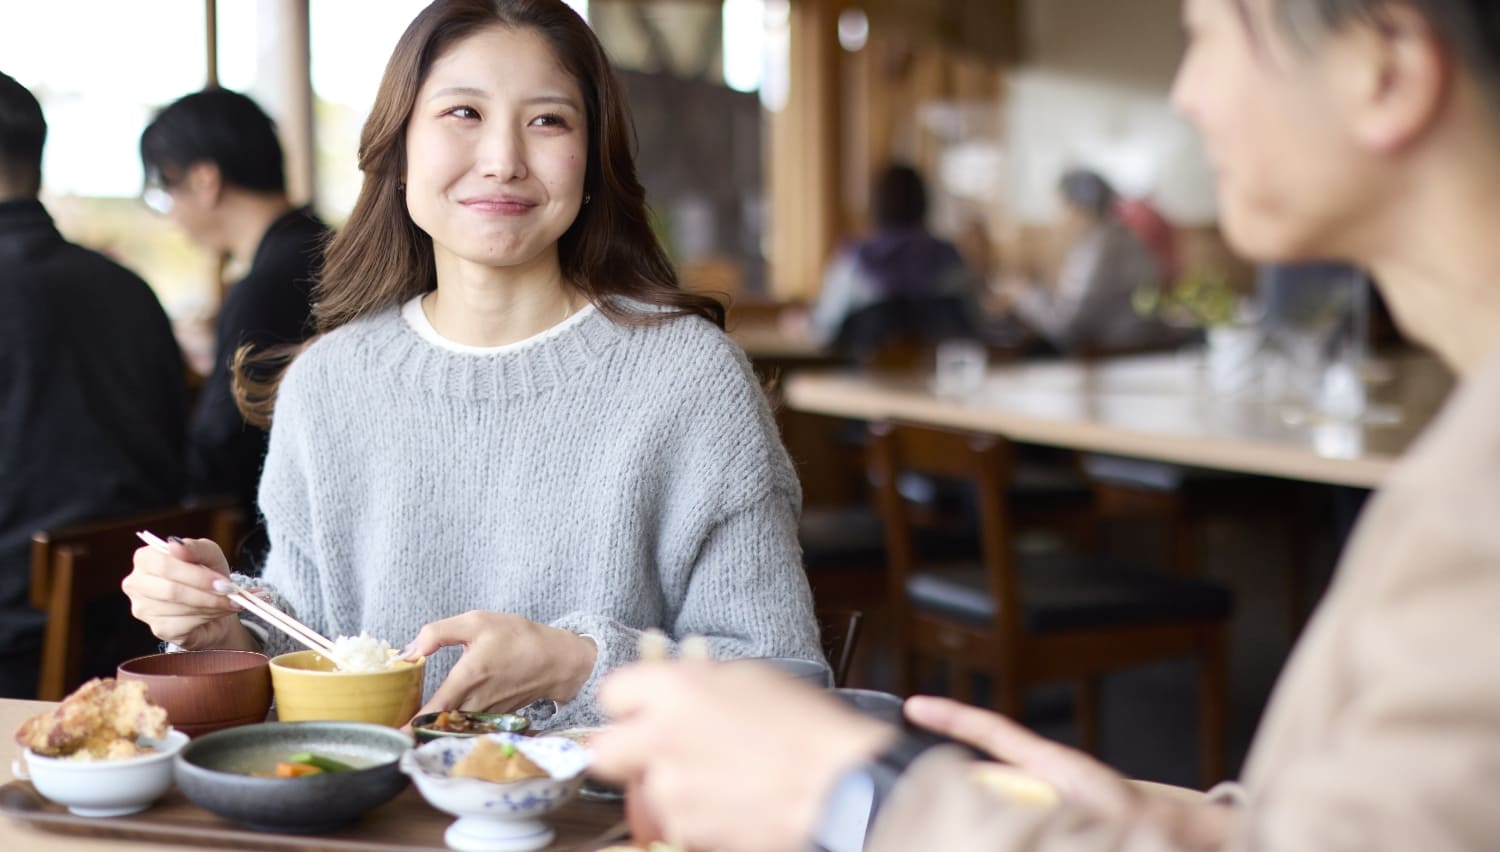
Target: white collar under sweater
416,317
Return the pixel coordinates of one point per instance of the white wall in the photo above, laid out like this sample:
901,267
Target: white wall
1094,91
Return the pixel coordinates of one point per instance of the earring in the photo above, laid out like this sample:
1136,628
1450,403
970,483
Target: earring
401,186
586,199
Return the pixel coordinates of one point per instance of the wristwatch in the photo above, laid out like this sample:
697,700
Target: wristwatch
858,794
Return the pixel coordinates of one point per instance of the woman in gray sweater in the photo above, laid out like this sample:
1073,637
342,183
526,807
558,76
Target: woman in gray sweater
514,432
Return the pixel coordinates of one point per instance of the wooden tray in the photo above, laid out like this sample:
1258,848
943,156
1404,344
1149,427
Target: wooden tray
404,824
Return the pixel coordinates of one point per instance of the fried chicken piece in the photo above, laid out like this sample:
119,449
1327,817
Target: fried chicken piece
101,719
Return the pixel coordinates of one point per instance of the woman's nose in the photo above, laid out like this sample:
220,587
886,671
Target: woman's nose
502,155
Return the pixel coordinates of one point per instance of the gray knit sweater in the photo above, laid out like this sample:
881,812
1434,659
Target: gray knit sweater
602,478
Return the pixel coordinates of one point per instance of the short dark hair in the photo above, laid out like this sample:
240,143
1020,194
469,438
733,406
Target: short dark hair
1470,27
900,198
23,131
215,126
1089,191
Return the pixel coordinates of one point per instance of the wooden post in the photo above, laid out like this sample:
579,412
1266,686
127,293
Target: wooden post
803,160
291,80
211,43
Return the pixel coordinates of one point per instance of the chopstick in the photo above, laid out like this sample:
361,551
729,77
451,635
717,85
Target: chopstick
652,647
270,614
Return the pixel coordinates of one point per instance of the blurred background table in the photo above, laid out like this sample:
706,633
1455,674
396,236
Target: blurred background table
1155,407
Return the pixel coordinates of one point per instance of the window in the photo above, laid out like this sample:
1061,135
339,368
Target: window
96,110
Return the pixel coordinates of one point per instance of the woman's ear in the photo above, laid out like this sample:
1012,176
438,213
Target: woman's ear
1393,75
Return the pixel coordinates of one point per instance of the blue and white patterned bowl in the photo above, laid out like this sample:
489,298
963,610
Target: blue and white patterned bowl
493,815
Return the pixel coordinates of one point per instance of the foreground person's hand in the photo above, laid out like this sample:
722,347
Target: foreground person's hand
174,594
1078,777
508,661
729,757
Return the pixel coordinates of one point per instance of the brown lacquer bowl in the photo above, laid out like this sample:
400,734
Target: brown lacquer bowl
205,691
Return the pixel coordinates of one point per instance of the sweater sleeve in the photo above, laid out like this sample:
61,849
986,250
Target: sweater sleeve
746,595
290,576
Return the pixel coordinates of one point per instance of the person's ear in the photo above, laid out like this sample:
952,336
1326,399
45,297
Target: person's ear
205,182
1394,75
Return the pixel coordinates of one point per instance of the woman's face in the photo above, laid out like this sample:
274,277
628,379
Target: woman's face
496,151
1288,171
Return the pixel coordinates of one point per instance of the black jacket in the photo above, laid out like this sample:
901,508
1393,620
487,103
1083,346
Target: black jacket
270,306
92,399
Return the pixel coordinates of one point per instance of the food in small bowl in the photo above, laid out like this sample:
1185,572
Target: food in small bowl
348,768
106,750
462,723
309,688
540,774
205,691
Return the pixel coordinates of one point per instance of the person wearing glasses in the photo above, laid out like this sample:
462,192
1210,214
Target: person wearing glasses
93,402
1360,130
214,168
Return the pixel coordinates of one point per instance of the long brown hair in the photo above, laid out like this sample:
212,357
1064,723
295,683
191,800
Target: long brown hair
381,259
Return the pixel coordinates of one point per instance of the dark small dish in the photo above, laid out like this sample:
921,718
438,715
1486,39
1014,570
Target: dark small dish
873,703
213,772
808,671
511,723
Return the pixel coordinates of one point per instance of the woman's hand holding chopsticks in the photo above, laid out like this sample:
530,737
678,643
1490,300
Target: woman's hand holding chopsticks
174,594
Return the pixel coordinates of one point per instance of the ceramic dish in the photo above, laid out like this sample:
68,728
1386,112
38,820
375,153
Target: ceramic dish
504,723
497,817
308,689
104,788
214,772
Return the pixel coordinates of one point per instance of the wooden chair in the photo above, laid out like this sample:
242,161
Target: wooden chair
1032,618
839,629
75,567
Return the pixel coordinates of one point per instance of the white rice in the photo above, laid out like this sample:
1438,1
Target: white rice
362,653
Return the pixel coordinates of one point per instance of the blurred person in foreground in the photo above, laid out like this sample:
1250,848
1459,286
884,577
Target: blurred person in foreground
1089,308
92,398
1363,130
214,167
898,283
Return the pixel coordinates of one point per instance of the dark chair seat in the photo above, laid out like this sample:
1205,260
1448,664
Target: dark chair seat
839,536
1040,485
1064,592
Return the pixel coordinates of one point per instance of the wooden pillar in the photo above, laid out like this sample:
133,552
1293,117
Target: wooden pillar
211,43
286,72
804,154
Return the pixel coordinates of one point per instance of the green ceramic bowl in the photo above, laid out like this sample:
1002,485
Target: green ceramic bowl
511,723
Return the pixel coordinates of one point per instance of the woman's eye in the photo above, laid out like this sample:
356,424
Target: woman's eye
463,112
549,120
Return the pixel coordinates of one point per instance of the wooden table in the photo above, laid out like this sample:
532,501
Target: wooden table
1150,407
406,822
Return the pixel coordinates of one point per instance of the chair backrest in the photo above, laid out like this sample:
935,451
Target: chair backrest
902,330
840,633
75,567
985,462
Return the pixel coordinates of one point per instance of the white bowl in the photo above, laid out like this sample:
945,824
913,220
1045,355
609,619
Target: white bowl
495,817
104,788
